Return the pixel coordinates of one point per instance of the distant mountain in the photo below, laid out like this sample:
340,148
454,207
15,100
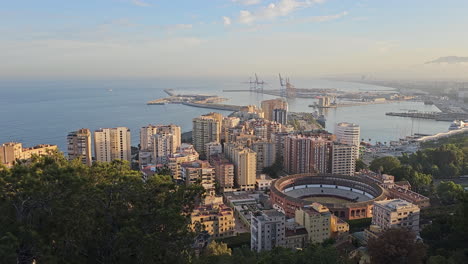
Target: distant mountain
449,60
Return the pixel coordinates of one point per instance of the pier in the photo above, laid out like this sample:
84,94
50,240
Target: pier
438,116
195,100
422,115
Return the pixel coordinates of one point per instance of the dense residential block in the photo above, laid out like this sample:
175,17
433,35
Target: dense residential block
12,151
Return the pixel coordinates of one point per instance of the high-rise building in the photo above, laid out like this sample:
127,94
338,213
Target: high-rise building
350,134
147,135
245,164
269,105
227,124
280,116
307,154
206,129
267,230
343,159
164,145
396,213
12,151
224,172
213,148
79,146
266,153
112,144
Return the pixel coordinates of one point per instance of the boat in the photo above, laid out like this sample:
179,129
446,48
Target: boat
457,124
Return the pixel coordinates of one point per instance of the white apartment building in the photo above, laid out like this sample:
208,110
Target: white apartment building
350,134
267,230
112,143
206,129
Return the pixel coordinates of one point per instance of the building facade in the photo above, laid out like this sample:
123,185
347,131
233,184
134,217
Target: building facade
304,154
280,116
224,171
396,213
267,230
112,144
79,146
350,134
343,159
266,153
317,220
245,165
199,171
269,105
147,135
12,151
206,129
216,219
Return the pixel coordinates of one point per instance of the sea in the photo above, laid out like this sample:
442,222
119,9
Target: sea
44,112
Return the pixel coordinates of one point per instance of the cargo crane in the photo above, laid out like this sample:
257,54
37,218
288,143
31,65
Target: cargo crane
255,84
287,89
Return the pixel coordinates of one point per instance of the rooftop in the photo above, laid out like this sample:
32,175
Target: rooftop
396,204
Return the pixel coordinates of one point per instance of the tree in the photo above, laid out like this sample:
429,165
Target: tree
360,165
386,163
56,211
217,249
396,246
449,191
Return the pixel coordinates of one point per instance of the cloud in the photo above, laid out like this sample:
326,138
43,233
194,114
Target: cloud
227,21
449,60
386,46
325,18
247,2
180,26
281,8
140,3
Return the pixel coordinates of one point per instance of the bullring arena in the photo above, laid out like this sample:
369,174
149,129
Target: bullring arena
348,197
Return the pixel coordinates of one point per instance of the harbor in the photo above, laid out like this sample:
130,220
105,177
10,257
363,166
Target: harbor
195,100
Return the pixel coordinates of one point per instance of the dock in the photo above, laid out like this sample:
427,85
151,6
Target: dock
438,116
195,100
422,115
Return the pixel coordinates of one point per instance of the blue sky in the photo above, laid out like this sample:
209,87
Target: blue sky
157,38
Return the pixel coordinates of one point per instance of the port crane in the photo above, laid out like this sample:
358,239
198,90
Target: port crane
256,84
287,89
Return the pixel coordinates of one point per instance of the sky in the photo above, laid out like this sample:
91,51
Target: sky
222,38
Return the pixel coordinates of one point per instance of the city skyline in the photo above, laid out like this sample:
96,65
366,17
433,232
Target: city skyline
149,38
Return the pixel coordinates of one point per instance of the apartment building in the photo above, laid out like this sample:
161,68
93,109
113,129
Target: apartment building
79,146
396,213
206,129
267,230
112,144
12,151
